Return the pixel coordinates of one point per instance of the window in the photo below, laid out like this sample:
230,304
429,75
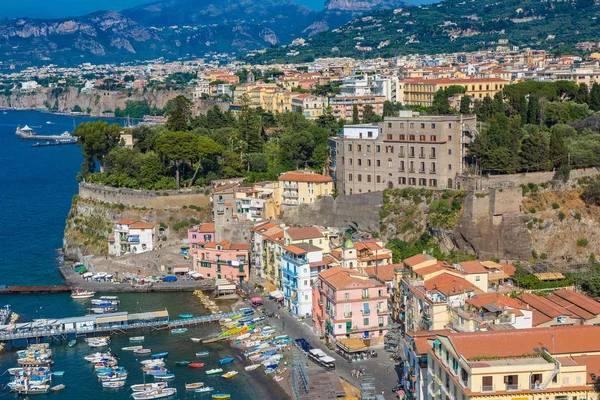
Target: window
389,137
402,137
422,182
449,138
411,152
390,163
349,147
412,125
359,177
365,321
369,134
433,138
359,162
477,278
421,138
422,125
411,167
389,124
511,382
450,125
365,293
378,178
401,124
380,293
411,137
432,168
359,147
401,165
402,181
422,169
432,126
487,383
368,148
449,152
349,161
432,153
378,148
368,178
349,177
346,296
369,162
449,167
433,182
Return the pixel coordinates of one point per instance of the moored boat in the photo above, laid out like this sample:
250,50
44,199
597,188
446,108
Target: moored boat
57,387
182,363
196,340
186,316
113,385
179,330
154,394
202,353
141,352
252,367
205,389
160,355
224,361
214,371
148,386
193,386
221,396
165,377
72,343
82,294
131,348
196,364
136,339
230,374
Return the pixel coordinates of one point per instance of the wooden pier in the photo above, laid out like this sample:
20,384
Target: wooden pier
34,289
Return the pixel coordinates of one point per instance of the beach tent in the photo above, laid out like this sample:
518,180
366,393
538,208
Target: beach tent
88,275
276,294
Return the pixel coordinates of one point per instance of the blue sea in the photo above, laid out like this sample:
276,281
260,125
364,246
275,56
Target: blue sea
36,188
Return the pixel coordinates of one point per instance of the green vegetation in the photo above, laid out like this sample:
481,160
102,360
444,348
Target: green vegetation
402,250
137,109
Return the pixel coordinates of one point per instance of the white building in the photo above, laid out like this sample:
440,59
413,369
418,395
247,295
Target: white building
131,236
372,85
202,87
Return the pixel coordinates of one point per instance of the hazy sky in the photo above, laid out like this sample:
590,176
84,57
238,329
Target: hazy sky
63,8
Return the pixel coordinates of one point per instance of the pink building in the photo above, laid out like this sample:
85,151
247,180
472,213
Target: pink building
202,233
350,305
223,260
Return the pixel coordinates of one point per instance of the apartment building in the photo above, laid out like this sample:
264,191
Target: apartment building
312,107
362,254
343,106
201,233
222,260
559,363
409,150
300,187
131,236
422,91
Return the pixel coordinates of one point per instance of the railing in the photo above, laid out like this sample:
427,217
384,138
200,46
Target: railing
535,386
512,387
365,296
348,314
382,311
487,388
366,312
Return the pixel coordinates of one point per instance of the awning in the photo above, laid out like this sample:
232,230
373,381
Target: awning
195,275
181,270
268,286
276,294
352,345
88,275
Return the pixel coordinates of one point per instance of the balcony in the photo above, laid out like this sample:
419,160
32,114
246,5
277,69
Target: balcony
513,387
487,389
366,312
290,185
365,296
348,315
290,194
382,311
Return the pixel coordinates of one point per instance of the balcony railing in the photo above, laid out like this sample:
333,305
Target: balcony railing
512,387
487,388
348,314
366,312
365,296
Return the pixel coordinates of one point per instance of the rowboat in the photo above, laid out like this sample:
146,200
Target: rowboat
252,367
214,371
179,330
186,316
58,373
196,365
193,386
211,340
196,340
156,371
154,394
202,354
112,298
57,387
205,389
158,361
113,385
182,363
229,375
165,377
131,348
72,343
28,390
160,355
141,352
148,386
224,361
221,396
136,339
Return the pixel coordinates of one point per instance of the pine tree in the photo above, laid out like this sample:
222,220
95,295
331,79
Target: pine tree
583,94
498,103
558,148
533,109
595,97
355,117
465,105
522,109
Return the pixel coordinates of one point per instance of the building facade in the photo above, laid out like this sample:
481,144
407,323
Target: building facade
222,260
301,187
131,236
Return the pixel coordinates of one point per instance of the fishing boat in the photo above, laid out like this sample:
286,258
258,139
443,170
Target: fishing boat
196,364
214,371
82,294
111,298
160,355
205,389
179,330
136,339
104,303
13,371
155,371
230,374
224,361
58,373
252,367
182,363
196,340
148,386
193,386
72,343
141,352
186,316
113,385
154,394
57,387
32,389
221,396
131,348
202,353
165,377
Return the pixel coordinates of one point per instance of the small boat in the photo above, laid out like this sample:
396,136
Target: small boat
148,386
224,361
182,363
39,389
14,370
193,386
154,394
111,298
186,316
230,374
212,340
202,353
82,294
131,348
252,367
205,389
165,377
160,355
196,340
214,371
179,330
72,343
57,387
113,385
156,371
58,373
136,339
141,352
158,361
196,364
221,396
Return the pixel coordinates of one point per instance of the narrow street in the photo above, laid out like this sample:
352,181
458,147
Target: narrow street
378,367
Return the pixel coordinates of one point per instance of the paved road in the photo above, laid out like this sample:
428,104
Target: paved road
295,328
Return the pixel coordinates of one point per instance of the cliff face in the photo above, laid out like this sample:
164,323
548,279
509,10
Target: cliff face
363,6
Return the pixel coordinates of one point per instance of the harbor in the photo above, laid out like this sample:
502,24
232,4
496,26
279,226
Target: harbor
27,133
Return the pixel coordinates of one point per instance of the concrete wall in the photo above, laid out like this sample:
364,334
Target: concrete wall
501,181
359,211
143,198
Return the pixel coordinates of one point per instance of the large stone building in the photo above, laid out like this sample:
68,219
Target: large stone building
409,150
421,91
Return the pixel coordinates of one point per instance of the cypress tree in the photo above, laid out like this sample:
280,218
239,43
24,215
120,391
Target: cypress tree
595,97
465,105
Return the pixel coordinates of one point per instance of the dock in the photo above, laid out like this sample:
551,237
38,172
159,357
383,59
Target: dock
34,289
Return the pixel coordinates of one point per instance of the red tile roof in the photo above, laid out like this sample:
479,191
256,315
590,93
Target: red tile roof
544,305
141,225
344,278
126,221
449,285
473,267
418,259
304,233
305,177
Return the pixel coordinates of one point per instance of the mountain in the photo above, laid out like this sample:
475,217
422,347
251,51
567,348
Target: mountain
172,29
453,26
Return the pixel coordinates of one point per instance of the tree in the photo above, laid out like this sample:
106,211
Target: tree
388,109
249,126
591,193
179,113
177,147
465,105
583,94
498,103
368,114
534,151
533,110
485,109
595,97
522,108
96,139
440,104
355,117
296,148
557,148
206,148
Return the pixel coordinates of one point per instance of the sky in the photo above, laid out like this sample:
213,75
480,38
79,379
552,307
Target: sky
65,8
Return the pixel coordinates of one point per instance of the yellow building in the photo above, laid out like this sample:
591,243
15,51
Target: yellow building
421,91
559,363
300,187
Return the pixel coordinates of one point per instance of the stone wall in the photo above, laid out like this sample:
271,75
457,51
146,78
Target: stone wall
359,211
144,198
510,180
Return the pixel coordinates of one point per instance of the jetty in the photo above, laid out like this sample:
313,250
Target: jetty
27,133
91,325
33,289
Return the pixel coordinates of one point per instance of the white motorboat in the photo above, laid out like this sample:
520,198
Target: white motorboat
113,385
148,386
136,339
131,348
252,367
82,294
154,394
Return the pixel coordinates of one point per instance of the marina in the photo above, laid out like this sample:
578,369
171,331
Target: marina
28,133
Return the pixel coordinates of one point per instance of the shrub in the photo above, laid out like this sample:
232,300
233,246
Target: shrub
530,225
544,256
577,216
534,254
561,215
555,205
494,259
532,210
582,242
